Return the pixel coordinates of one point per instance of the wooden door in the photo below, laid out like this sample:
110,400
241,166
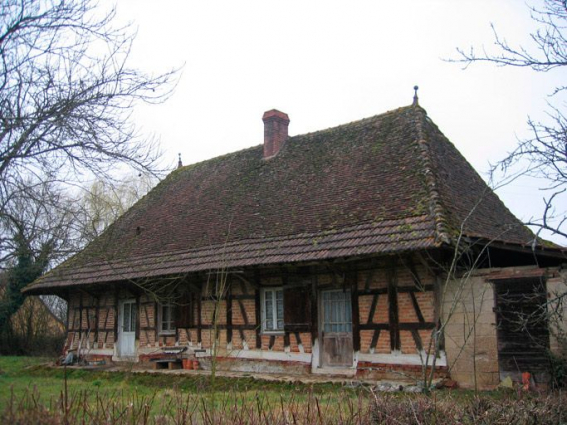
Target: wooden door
336,329
127,329
522,332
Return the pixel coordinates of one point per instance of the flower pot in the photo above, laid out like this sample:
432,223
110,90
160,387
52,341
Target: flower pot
196,364
187,364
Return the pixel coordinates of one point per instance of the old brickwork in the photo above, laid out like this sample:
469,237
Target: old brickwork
91,321
390,300
414,308
470,331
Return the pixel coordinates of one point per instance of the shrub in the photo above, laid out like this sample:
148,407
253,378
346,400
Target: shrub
484,409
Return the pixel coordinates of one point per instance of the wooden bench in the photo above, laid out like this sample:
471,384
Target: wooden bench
169,359
166,363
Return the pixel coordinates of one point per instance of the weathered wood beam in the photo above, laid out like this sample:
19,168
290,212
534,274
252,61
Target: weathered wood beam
243,312
229,312
314,308
373,308
355,308
258,309
393,314
417,339
199,320
369,278
400,327
375,338
416,307
399,289
408,263
297,338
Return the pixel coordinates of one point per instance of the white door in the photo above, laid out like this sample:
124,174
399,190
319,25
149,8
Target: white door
336,329
127,329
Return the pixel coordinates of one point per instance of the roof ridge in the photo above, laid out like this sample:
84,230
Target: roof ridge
353,123
436,206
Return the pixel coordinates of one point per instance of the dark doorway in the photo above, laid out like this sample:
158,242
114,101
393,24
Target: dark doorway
522,331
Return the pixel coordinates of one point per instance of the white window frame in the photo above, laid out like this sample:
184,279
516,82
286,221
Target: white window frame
171,328
271,293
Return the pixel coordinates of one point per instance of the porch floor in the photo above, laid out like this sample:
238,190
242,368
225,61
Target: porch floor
315,378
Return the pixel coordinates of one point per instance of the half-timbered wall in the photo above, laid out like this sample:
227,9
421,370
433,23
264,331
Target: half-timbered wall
393,309
396,305
91,321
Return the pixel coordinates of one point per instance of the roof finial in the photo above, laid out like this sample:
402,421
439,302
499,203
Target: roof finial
415,98
179,163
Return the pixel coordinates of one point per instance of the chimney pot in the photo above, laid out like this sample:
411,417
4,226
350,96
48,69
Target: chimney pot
275,131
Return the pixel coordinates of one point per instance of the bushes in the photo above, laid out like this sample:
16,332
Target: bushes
45,346
174,407
558,370
484,409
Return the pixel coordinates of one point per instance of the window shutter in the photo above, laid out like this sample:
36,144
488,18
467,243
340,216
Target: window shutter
297,309
183,316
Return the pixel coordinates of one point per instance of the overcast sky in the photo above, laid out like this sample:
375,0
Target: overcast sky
327,63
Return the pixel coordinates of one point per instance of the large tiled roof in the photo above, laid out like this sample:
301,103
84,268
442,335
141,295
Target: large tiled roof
385,184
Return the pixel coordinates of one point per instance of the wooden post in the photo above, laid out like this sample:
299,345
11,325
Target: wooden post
229,311
314,310
80,317
199,319
116,316
258,304
393,314
97,313
355,311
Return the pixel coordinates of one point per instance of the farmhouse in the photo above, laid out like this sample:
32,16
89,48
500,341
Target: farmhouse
371,249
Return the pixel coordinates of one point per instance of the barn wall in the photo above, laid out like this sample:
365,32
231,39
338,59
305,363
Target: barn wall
383,337
470,332
91,321
468,309
384,333
415,304
370,302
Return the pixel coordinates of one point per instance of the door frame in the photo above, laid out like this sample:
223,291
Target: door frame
321,319
120,331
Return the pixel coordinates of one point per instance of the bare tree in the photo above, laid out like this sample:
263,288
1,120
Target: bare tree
66,96
100,204
66,91
34,232
544,155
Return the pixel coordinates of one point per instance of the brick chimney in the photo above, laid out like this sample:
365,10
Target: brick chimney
275,131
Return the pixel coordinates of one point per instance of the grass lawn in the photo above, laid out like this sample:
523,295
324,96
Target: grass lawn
31,392
22,377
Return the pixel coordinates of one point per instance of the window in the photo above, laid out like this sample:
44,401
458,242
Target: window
273,310
129,316
337,311
167,321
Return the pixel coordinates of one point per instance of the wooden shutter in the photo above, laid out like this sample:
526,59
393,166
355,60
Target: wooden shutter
183,310
297,309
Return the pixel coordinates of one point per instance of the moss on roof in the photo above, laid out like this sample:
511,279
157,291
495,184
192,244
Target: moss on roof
382,184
